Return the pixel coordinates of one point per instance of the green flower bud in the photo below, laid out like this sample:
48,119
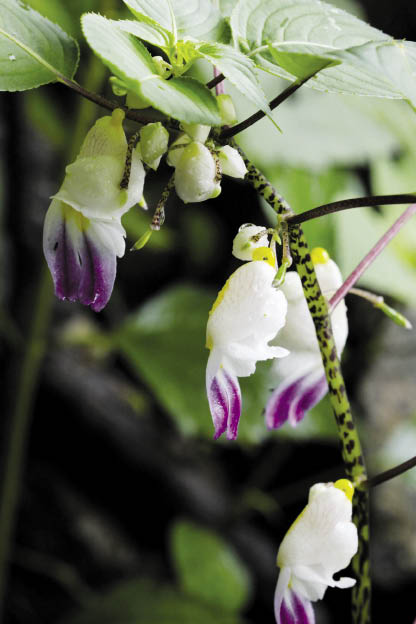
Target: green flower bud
197,132
164,69
227,110
118,86
195,176
154,139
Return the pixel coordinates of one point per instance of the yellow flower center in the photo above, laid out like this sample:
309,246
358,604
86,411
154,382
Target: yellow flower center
320,255
265,254
345,486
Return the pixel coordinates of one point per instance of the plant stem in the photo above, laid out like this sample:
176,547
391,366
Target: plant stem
219,87
215,81
348,435
110,104
372,255
227,133
390,474
36,345
345,204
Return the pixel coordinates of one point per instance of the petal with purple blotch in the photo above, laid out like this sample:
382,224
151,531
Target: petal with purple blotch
81,254
294,609
293,398
224,397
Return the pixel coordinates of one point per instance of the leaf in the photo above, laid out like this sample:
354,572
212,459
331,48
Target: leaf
184,99
239,69
146,31
309,28
33,50
319,130
208,569
142,600
302,65
393,64
197,18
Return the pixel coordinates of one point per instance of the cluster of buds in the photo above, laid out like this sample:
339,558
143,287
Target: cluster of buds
256,317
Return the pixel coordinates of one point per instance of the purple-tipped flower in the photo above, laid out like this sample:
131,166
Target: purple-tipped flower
81,254
82,234
321,542
299,379
247,314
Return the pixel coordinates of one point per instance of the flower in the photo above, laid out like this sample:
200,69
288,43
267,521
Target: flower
300,379
81,254
243,245
321,542
82,234
246,315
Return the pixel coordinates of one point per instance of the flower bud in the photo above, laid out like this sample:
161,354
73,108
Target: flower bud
154,140
195,177
243,246
227,110
231,162
118,86
163,68
175,152
197,132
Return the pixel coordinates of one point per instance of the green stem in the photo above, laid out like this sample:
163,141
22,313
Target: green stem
348,435
36,345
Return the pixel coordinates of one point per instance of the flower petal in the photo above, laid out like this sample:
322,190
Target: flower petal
294,609
292,399
81,254
224,399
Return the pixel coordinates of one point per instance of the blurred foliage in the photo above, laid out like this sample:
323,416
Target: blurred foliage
208,569
146,601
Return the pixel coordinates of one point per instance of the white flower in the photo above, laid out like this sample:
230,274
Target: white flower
82,234
243,246
321,542
196,174
92,182
300,379
247,314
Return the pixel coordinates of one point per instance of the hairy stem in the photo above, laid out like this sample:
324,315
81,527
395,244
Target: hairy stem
372,255
346,204
348,435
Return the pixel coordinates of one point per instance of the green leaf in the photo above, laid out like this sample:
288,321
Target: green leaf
208,569
239,69
33,50
142,600
196,18
146,31
310,28
390,66
301,65
184,99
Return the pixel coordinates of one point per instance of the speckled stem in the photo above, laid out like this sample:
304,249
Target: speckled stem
350,443
159,214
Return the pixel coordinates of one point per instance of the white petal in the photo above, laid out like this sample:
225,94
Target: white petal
195,175
231,162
